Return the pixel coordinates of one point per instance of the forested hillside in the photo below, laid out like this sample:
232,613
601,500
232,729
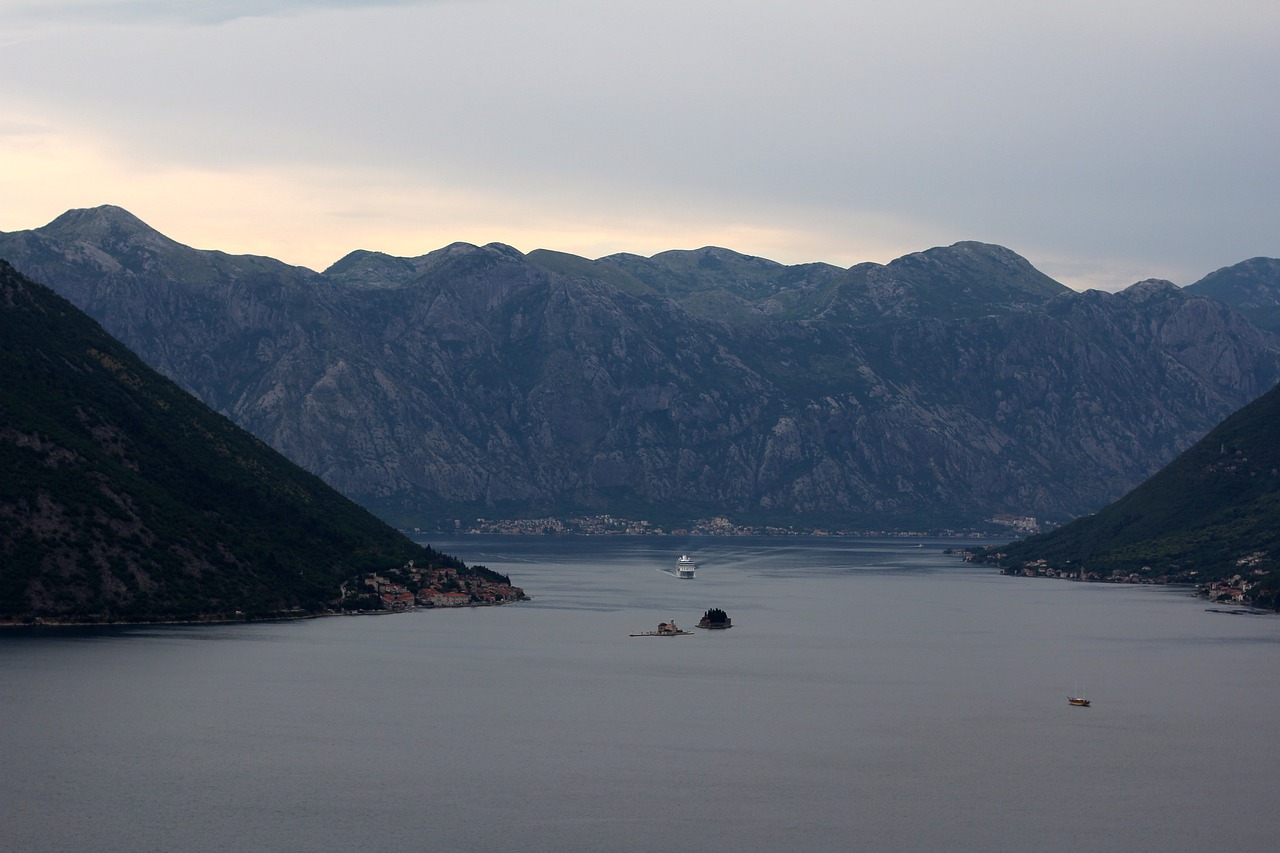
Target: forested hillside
124,498
1211,514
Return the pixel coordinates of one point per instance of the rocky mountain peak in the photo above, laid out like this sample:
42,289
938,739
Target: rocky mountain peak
1151,288
363,268
993,265
1249,287
505,250
106,223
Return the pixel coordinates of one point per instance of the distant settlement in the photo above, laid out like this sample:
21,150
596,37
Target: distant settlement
602,525
409,588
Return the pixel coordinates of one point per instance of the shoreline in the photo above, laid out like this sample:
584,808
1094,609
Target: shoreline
56,622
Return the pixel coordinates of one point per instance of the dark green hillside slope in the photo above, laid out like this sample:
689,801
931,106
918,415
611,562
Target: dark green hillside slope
1211,514
123,498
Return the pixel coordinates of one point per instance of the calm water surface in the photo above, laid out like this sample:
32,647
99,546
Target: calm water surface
871,695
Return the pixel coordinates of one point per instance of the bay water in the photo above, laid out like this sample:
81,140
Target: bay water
873,694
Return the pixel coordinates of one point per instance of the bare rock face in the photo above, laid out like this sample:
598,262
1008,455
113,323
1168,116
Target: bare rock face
1249,287
940,389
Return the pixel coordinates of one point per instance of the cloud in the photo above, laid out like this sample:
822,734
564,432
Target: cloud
194,12
1108,138
311,215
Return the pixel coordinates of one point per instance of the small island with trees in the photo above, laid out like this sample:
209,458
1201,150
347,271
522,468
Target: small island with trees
715,618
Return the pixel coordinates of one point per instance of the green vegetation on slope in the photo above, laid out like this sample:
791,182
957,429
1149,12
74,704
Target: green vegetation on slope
126,499
1210,515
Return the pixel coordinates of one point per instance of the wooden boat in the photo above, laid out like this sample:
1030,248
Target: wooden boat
1078,700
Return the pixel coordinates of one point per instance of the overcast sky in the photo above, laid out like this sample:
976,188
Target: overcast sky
1106,142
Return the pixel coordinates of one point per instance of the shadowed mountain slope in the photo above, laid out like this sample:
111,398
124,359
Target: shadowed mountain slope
125,499
1212,513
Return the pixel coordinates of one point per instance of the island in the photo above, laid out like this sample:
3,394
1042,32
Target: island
665,629
715,618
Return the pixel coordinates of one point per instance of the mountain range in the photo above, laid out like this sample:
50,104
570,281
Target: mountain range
125,499
943,389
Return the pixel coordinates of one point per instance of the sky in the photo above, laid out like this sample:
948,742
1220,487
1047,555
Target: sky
1106,142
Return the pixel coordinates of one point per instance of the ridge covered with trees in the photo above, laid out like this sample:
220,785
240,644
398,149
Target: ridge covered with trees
1211,517
126,499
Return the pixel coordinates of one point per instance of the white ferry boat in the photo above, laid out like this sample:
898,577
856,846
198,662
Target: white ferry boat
685,566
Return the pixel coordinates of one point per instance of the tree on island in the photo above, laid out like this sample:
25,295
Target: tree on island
715,616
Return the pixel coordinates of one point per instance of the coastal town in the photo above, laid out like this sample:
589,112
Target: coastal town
610,525
410,588
1235,589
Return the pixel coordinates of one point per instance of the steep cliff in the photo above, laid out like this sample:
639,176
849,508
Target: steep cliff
940,389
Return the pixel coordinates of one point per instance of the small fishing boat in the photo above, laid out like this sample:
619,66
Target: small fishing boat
1079,701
